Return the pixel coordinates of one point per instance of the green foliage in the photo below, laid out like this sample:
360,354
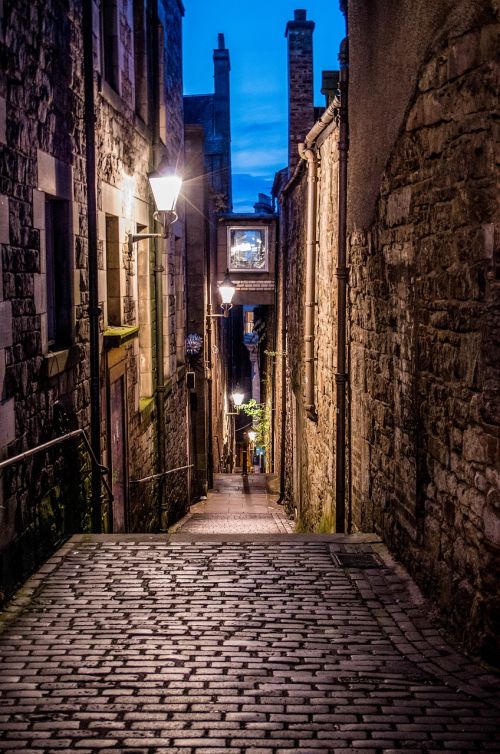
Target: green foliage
261,422
274,354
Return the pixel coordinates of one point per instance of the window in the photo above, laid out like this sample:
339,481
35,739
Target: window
161,84
140,61
58,272
247,249
113,271
109,37
248,321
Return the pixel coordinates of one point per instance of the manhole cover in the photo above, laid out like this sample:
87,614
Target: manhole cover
356,560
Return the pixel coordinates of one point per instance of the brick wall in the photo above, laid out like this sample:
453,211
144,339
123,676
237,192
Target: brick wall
299,33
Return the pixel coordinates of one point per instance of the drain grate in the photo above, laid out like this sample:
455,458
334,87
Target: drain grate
356,560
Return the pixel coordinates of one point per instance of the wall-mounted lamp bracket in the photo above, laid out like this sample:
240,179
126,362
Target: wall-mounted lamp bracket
133,238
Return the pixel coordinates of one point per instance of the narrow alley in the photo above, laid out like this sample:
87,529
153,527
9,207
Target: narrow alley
249,377
230,635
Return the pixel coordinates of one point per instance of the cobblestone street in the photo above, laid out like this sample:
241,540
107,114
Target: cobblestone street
238,505
213,642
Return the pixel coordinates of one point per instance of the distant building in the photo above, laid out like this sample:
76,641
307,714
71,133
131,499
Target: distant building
212,111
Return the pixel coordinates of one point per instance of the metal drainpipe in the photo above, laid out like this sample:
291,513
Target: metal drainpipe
283,266
94,310
158,268
160,374
311,241
341,274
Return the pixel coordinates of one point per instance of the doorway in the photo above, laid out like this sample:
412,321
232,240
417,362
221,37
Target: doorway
117,434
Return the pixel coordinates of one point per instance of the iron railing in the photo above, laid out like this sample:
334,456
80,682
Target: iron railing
57,441
158,476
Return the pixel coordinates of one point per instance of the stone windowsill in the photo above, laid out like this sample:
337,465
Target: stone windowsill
146,405
57,362
114,337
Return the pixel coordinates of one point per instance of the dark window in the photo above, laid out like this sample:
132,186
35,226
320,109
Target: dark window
113,271
109,22
140,61
58,270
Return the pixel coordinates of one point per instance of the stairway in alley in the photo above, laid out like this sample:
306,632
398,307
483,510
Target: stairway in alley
238,504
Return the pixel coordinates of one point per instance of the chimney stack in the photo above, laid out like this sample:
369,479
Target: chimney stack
222,119
299,33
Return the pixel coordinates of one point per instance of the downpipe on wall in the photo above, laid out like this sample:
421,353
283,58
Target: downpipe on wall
156,156
94,310
341,275
310,155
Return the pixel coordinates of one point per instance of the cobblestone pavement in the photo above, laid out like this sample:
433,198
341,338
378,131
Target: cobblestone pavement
280,644
237,505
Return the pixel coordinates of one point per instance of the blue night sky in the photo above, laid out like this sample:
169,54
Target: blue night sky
255,36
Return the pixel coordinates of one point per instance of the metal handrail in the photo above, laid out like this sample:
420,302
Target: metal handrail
56,441
157,476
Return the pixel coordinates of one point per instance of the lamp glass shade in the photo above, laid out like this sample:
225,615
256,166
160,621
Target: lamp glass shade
227,290
165,190
252,435
238,398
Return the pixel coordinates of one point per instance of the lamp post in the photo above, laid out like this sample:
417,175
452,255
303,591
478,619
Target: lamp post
227,290
252,436
165,189
237,397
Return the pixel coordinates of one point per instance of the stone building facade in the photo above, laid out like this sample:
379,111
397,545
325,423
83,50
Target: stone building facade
423,305
45,347
209,193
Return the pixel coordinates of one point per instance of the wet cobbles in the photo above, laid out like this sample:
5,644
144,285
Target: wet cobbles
264,647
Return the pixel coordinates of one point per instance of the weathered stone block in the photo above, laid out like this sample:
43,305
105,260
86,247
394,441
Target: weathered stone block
54,176
479,446
491,522
7,422
463,55
6,338
4,225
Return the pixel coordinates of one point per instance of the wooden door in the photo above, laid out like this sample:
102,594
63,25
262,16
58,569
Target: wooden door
118,452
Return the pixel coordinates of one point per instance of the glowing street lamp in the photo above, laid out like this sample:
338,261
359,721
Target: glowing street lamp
165,188
238,398
252,435
227,289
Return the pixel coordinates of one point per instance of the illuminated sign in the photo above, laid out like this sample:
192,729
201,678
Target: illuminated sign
247,249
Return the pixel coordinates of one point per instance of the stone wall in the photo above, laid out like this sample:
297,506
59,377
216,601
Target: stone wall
41,393
423,307
44,391
424,312
310,444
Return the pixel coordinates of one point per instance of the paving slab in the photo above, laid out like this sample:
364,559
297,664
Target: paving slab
238,504
150,643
